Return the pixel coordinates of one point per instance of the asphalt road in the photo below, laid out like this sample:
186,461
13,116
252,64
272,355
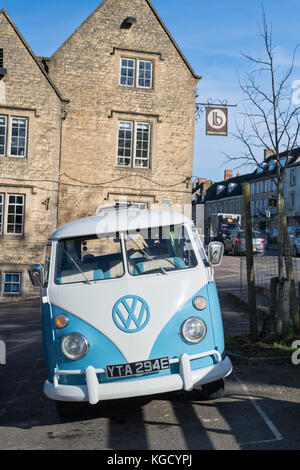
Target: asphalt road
261,409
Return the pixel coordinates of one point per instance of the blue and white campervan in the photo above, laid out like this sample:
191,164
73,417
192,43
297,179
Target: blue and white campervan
130,308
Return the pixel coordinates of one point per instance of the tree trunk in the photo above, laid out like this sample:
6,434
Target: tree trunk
250,264
280,215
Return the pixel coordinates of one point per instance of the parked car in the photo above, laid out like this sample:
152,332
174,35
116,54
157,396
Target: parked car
272,238
237,244
294,237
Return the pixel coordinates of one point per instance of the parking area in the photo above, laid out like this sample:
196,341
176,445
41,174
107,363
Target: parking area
261,409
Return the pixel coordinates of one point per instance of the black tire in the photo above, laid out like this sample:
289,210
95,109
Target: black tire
214,390
67,409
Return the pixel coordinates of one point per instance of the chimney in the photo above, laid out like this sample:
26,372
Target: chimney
228,174
201,180
268,153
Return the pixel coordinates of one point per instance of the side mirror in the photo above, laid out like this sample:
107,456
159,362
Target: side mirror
215,253
36,274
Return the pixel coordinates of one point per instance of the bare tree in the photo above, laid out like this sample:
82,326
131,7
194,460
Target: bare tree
270,120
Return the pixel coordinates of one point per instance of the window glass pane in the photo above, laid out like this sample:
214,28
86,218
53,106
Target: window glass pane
124,143
12,283
142,145
127,72
3,132
145,74
1,212
18,136
159,249
89,259
47,264
15,214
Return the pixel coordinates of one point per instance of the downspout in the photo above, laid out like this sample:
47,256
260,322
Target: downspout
63,116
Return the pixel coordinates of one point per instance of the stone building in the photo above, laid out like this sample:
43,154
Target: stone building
129,131
108,118
30,122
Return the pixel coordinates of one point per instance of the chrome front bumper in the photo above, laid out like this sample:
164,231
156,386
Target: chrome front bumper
93,391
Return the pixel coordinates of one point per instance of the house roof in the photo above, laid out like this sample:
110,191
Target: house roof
22,39
198,77
266,170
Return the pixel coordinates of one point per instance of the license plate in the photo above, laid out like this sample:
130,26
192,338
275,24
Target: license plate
254,249
137,368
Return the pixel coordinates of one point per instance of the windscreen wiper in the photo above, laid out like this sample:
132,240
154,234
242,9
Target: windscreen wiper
78,267
149,258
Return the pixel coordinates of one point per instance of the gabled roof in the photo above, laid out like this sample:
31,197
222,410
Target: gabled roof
4,13
173,41
198,77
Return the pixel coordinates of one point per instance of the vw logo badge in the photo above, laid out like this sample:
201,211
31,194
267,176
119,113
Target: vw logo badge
131,314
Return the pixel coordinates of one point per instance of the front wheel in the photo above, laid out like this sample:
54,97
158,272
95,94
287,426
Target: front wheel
214,390
67,409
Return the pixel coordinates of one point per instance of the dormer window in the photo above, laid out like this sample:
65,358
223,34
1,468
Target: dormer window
272,165
220,188
231,187
260,169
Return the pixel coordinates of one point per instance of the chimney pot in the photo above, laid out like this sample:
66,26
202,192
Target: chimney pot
228,174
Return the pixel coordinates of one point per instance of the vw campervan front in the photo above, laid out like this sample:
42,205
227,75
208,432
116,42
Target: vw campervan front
129,308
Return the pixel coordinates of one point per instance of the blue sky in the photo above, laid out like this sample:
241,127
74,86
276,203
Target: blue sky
212,36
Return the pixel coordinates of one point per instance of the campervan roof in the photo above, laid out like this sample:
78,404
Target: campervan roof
109,221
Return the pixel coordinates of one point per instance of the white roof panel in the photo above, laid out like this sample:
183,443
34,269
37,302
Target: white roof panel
110,222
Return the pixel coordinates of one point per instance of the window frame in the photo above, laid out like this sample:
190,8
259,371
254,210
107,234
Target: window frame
133,148
293,177
136,72
5,135
2,202
19,283
137,123
10,136
14,214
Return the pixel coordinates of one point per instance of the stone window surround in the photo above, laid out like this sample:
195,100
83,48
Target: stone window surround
9,117
147,56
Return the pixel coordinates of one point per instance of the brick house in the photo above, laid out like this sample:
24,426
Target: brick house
108,118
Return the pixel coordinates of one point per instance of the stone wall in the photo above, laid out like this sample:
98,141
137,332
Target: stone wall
26,92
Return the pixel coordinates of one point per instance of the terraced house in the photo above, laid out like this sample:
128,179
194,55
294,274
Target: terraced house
107,119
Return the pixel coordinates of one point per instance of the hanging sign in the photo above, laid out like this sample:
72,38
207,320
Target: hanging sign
216,121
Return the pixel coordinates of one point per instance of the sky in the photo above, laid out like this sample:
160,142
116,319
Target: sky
212,35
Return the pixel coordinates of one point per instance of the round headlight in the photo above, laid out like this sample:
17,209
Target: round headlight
199,303
74,346
193,330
